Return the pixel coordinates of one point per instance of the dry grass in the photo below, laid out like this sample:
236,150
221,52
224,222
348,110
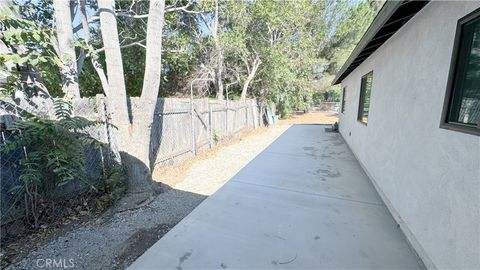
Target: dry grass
173,175
312,118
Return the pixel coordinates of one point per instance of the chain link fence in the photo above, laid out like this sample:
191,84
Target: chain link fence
98,159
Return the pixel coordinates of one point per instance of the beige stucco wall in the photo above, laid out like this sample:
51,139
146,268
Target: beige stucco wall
429,177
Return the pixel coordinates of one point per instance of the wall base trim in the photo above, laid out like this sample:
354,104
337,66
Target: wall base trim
420,252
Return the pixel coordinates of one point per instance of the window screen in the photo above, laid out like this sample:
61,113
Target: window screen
365,91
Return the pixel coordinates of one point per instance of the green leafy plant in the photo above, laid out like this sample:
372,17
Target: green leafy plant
53,156
115,183
31,50
216,137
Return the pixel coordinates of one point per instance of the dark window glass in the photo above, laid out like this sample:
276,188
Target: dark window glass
465,98
365,91
343,99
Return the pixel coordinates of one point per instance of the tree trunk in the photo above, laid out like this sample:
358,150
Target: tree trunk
219,74
129,139
134,137
86,35
153,61
117,98
251,75
140,165
219,55
63,23
153,70
135,153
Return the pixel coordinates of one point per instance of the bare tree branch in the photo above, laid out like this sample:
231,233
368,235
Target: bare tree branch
138,43
183,8
131,14
92,19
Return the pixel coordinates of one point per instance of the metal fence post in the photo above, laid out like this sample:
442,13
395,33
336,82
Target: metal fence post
192,117
192,111
226,118
246,114
235,119
210,123
260,115
253,102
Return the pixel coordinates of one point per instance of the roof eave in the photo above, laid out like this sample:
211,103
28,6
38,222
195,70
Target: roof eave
388,9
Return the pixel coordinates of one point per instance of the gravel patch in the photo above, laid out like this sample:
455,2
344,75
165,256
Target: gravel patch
207,176
99,244
114,241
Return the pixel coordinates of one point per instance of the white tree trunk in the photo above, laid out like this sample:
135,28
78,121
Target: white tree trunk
143,116
251,75
63,23
219,74
134,138
117,92
134,162
219,55
86,35
153,61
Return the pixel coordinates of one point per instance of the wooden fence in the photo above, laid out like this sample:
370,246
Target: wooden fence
182,128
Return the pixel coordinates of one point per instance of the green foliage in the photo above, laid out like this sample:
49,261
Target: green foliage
349,23
332,94
301,45
288,51
54,154
180,48
348,31
114,184
89,81
216,136
31,47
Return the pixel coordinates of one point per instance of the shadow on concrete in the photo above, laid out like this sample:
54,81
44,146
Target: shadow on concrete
304,202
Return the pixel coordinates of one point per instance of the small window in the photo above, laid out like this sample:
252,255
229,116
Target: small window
343,99
462,101
365,91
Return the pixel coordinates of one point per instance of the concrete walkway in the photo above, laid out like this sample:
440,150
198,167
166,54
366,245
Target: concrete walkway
304,202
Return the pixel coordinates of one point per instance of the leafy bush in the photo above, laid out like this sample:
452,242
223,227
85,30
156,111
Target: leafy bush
37,56
114,185
53,156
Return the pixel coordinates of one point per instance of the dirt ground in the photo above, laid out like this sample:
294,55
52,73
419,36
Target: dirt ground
117,238
312,118
174,175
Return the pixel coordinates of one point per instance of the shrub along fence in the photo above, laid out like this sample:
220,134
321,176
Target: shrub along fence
99,159
180,129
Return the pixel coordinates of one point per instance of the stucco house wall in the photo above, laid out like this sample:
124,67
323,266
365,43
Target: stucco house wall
429,177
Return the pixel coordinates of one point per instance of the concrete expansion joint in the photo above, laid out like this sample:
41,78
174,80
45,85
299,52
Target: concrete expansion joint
309,193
